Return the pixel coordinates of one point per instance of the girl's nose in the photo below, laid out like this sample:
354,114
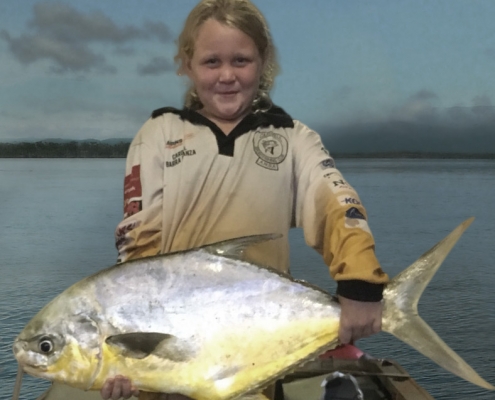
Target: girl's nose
227,74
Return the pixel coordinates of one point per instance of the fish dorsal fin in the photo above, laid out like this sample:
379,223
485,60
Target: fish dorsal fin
142,344
234,248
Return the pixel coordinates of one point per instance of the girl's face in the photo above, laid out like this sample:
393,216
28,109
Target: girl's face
225,70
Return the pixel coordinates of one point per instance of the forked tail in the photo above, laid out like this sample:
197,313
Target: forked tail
400,313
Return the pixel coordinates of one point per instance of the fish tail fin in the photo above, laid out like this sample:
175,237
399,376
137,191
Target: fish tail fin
400,311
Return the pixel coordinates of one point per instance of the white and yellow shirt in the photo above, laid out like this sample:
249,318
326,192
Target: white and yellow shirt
188,184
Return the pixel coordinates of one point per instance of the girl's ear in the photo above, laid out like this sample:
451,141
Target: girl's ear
186,67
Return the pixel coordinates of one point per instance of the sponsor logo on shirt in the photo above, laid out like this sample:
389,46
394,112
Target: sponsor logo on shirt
179,156
271,149
132,207
357,223
172,144
329,175
355,219
132,192
354,213
328,163
340,184
120,233
346,200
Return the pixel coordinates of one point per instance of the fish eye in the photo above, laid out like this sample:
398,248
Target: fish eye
45,345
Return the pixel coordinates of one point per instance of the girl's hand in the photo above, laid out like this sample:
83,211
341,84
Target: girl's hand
121,387
359,319
118,387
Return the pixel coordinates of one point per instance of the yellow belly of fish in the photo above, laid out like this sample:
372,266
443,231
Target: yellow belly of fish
75,366
231,363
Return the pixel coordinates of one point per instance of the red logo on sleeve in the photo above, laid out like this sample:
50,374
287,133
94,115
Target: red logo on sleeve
132,192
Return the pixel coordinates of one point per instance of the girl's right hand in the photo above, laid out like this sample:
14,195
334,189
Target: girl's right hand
121,387
118,387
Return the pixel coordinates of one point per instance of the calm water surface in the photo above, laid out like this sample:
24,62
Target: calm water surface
57,220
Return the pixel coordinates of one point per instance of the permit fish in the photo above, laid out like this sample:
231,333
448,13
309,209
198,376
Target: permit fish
207,325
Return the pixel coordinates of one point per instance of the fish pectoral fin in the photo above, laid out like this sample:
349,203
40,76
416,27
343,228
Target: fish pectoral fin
142,344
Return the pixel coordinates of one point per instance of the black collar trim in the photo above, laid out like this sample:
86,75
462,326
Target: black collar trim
275,117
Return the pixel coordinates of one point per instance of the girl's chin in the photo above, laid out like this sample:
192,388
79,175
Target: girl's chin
231,112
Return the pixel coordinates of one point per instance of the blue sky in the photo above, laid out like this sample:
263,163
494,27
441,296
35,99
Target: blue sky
96,69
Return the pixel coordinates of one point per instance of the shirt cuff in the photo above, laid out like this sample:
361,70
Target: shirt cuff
360,290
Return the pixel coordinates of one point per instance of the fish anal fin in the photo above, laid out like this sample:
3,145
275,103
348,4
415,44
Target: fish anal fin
142,344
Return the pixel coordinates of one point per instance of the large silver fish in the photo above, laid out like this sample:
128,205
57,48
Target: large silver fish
207,325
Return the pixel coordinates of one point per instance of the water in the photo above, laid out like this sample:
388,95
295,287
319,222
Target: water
58,216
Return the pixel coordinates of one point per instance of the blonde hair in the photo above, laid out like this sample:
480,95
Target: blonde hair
239,14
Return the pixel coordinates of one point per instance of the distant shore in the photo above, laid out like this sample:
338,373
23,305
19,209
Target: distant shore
97,149
73,149
418,155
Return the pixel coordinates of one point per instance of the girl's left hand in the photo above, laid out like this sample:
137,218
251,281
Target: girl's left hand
359,319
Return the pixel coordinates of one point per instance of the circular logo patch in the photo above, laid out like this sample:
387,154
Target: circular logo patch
271,148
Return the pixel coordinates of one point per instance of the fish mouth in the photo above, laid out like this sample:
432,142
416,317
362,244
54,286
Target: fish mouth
34,370
19,348
22,356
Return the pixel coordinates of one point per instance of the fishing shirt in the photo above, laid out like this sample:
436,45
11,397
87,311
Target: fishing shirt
187,184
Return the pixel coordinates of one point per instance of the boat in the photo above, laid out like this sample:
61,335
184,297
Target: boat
345,373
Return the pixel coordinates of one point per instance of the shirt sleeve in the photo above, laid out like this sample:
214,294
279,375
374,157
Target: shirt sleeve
334,220
139,233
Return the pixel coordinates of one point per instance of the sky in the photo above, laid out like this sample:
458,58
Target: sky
97,69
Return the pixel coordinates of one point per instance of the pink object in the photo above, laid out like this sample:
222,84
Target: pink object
345,351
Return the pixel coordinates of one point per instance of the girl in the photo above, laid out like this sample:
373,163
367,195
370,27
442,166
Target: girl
231,164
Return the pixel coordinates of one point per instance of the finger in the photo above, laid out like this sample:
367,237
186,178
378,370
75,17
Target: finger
357,333
117,388
345,335
126,388
365,332
106,389
135,392
377,325
372,328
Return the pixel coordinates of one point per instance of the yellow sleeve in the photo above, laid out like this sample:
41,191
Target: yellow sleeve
334,220
349,251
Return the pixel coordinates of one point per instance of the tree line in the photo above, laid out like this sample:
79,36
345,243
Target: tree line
63,150
96,149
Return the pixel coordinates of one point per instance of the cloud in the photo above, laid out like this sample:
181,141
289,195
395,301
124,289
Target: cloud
159,30
156,66
420,125
482,111
64,35
417,108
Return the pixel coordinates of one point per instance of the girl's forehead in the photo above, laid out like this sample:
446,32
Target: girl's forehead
213,35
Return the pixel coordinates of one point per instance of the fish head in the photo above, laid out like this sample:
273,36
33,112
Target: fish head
60,344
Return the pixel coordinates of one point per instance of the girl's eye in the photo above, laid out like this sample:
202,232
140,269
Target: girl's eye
241,61
211,61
